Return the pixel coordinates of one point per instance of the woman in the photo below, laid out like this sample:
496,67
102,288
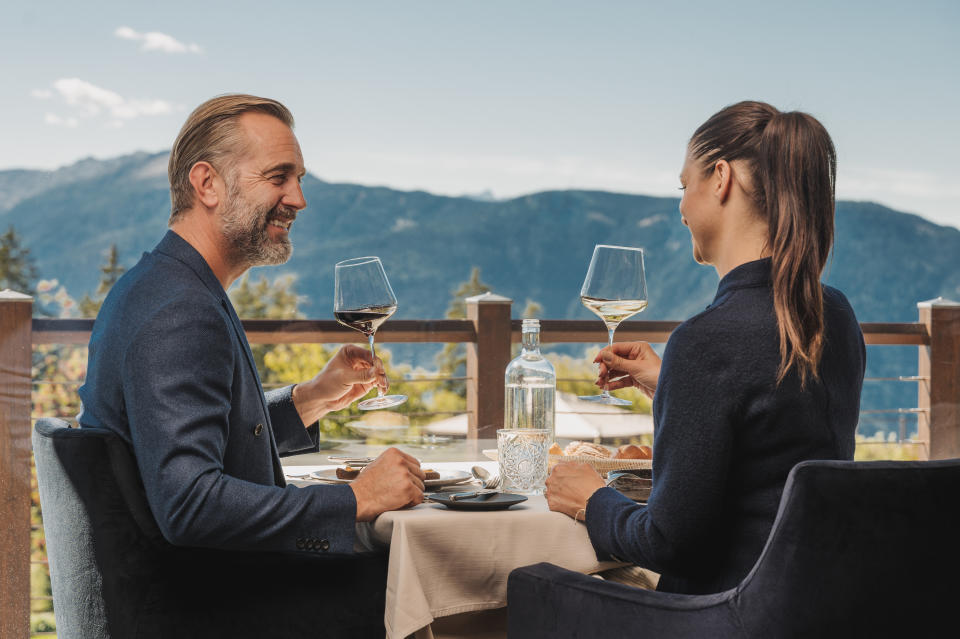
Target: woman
767,376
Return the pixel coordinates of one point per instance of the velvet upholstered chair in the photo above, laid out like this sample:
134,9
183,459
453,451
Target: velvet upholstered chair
858,549
114,575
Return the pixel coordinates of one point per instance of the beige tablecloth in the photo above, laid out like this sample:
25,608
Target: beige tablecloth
445,562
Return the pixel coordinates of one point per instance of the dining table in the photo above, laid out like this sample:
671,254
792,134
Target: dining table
444,562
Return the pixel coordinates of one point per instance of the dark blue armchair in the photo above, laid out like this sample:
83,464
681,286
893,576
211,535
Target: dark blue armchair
858,549
114,575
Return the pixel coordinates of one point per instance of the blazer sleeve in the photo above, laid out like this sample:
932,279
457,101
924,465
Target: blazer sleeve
293,438
177,373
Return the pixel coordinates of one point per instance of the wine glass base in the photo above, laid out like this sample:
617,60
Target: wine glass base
606,399
387,401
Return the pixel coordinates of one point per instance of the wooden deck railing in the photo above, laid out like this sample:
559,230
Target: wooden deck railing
488,333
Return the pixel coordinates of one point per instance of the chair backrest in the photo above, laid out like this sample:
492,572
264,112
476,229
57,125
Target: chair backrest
858,549
101,538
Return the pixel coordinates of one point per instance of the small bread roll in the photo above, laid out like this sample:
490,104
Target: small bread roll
629,451
555,449
430,474
587,449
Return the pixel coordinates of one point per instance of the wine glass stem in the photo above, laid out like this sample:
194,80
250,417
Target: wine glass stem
373,351
606,383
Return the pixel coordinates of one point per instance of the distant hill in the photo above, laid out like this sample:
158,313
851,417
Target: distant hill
533,247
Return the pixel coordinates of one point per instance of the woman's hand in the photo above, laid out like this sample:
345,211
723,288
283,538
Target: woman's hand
569,487
628,364
347,377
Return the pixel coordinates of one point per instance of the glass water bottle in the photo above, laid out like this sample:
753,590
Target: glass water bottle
530,385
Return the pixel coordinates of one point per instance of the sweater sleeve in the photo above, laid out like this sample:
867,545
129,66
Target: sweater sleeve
694,413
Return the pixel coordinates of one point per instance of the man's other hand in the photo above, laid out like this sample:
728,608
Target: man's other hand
393,480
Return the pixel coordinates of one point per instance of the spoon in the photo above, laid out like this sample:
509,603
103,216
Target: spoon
486,479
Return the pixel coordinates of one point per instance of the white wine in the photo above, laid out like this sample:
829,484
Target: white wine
612,312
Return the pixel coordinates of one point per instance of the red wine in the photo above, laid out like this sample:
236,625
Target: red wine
365,320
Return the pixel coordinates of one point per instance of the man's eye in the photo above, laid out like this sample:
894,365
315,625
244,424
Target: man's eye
278,179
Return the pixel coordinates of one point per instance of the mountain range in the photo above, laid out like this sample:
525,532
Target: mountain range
535,247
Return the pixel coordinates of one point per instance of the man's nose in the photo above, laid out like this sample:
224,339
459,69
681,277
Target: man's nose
294,197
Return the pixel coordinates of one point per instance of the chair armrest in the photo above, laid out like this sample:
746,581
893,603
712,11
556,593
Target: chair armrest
544,600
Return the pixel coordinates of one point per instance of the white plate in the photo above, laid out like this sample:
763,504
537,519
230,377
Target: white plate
447,477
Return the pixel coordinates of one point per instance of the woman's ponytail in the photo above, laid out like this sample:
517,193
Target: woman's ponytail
796,163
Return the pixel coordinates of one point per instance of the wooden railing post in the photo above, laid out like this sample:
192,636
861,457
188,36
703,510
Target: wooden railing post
487,359
15,312
939,388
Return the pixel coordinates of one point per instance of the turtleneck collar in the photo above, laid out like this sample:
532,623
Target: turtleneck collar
749,275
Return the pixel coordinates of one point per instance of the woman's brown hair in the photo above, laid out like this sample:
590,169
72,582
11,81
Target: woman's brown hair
793,164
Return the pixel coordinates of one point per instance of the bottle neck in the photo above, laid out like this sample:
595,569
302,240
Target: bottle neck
531,341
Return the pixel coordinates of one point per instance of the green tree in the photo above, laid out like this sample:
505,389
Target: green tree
110,272
473,286
17,271
263,299
452,360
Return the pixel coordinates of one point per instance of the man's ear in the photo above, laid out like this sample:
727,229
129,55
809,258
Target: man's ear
722,180
203,178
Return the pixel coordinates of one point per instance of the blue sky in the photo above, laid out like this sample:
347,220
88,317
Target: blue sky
512,97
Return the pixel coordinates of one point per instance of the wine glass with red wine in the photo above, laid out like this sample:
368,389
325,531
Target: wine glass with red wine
363,300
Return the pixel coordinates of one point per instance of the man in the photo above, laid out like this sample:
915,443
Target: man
170,370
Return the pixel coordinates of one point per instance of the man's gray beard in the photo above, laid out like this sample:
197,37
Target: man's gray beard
245,229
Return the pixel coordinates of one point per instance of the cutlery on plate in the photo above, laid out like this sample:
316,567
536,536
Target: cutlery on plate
471,495
351,461
487,479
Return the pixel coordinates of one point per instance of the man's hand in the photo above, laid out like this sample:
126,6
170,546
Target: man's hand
347,377
628,364
393,480
569,487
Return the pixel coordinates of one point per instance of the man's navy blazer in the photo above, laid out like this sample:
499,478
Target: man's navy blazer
171,372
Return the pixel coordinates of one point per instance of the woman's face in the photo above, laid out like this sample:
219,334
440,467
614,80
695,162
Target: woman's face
697,210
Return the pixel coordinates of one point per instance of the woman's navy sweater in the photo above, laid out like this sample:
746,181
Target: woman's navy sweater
726,435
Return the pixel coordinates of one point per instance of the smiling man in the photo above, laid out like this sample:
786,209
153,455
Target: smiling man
170,370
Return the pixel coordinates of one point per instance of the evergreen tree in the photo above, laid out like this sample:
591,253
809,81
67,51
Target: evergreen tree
17,271
264,299
473,286
452,360
110,272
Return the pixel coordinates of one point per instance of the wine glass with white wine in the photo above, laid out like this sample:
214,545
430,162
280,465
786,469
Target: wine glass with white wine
363,300
615,288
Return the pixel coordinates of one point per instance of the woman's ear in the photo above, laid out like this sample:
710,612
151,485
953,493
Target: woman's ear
722,180
203,178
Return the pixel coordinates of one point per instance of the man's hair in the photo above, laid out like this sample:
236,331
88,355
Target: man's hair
212,134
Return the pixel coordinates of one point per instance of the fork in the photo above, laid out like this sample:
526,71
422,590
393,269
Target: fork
486,479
